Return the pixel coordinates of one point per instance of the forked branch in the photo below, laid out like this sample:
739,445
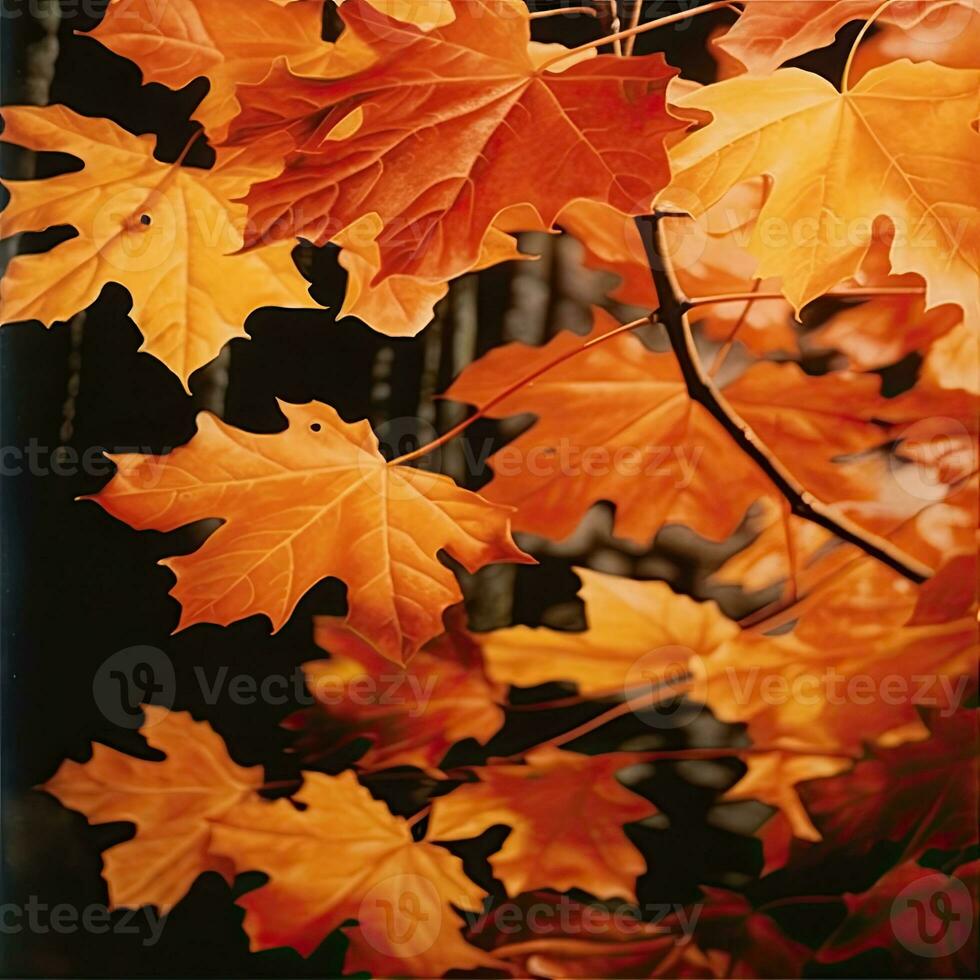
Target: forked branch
672,313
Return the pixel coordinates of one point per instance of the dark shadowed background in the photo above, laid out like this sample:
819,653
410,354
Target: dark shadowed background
79,586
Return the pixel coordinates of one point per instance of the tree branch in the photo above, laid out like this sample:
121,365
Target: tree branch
673,307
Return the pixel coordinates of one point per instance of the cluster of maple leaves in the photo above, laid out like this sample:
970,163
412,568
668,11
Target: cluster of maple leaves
420,142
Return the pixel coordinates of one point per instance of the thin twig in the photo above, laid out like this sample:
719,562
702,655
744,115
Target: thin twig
845,292
634,31
673,308
635,15
542,14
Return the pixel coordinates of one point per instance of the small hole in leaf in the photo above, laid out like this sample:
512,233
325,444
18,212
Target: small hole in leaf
315,426
145,219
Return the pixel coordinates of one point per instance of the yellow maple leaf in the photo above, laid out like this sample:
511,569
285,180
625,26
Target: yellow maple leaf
900,145
165,232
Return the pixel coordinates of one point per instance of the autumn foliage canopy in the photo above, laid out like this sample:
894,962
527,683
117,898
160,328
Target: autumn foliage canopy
748,222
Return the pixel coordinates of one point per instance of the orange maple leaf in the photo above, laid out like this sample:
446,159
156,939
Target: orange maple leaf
411,714
616,423
229,44
566,813
163,231
438,135
173,804
344,856
313,501
768,33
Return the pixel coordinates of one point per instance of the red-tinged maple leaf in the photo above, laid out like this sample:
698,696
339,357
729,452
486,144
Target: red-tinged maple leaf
558,936
921,794
438,135
346,857
313,501
163,231
229,44
173,804
616,423
924,917
411,714
750,939
769,33
566,813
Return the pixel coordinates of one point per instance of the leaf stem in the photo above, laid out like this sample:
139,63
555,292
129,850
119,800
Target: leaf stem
701,388
856,292
542,14
850,55
634,31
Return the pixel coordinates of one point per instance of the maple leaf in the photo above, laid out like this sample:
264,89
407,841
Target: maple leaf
748,938
635,630
163,231
922,792
885,916
772,778
345,856
616,423
835,691
575,939
400,306
313,501
413,714
229,44
172,802
478,116
838,162
566,813
769,33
